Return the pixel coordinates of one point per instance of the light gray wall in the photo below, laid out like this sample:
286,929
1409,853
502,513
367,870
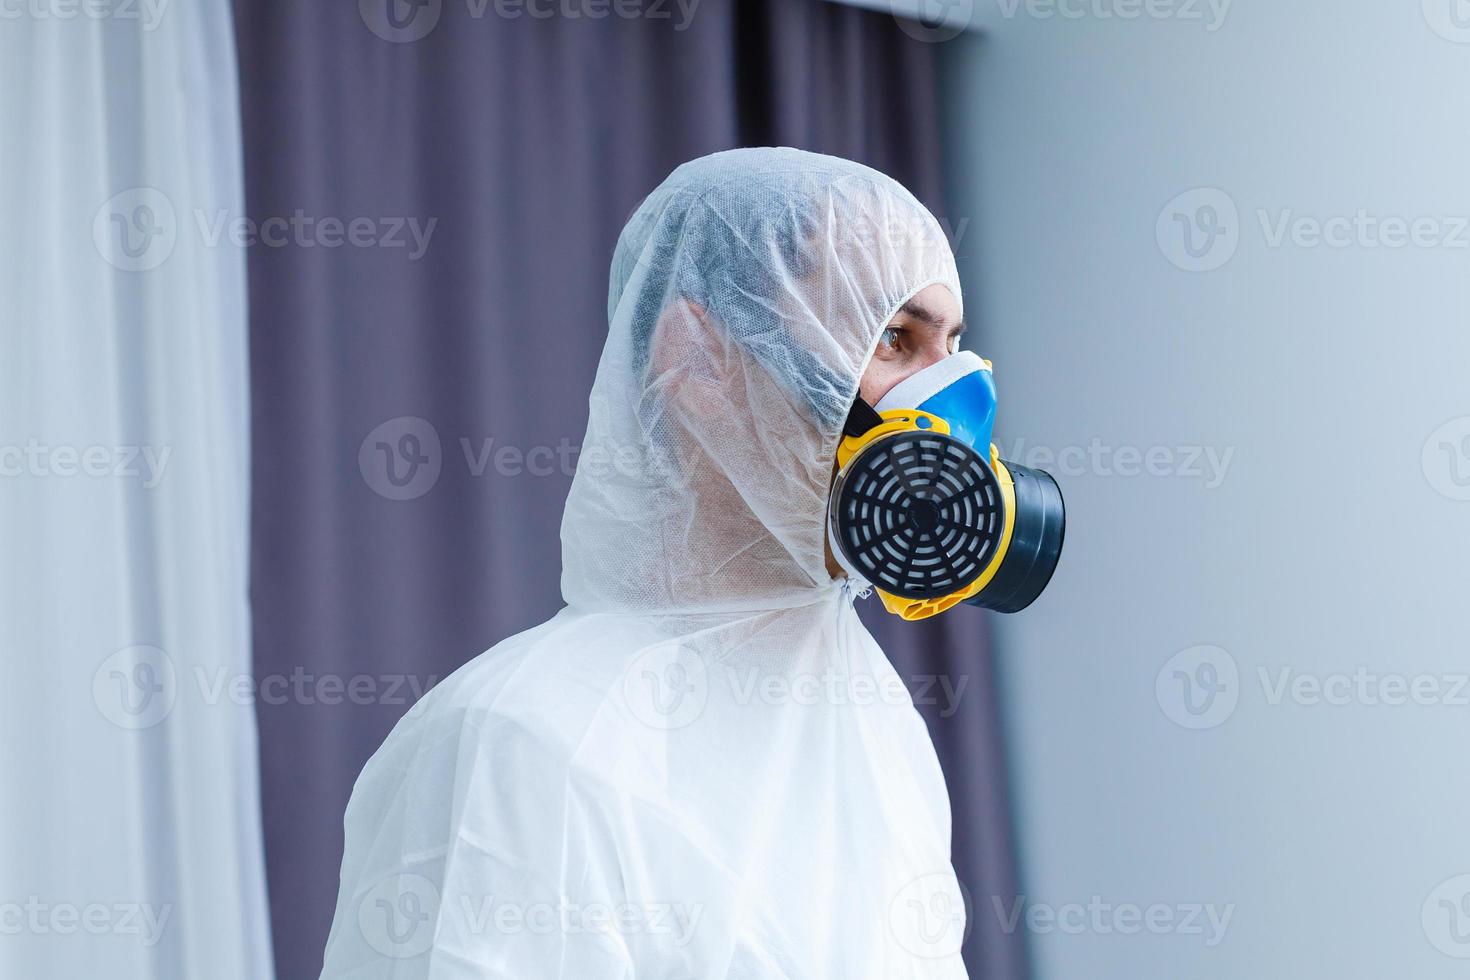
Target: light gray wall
1330,538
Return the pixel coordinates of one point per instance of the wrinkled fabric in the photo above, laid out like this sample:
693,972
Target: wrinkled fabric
703,766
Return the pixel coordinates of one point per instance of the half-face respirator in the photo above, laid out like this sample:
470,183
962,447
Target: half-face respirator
924,508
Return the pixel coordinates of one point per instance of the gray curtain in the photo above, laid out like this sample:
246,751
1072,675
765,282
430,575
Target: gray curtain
418,397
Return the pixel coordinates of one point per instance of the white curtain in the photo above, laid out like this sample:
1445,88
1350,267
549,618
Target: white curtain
130,839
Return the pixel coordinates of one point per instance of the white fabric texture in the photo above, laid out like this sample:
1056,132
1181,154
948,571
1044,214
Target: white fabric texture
703,766
129,804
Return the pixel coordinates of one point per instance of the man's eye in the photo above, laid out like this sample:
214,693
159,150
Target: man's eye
890,338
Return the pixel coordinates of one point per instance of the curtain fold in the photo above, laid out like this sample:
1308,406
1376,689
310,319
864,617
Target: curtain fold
416,410
128,749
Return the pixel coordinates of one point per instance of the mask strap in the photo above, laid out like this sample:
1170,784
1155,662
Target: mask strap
860,418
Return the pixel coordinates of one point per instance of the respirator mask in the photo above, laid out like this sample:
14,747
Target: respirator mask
924,509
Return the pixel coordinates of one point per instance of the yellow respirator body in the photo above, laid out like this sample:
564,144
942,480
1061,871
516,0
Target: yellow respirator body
897,421
930,523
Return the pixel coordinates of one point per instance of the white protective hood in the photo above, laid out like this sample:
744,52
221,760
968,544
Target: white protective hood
703,767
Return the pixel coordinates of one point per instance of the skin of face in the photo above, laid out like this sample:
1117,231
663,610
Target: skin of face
925,330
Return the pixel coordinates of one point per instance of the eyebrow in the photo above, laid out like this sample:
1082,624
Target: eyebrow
919,311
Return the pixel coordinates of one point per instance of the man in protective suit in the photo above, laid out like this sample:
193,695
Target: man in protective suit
703,766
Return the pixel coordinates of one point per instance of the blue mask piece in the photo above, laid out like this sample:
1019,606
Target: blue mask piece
968,406
959,389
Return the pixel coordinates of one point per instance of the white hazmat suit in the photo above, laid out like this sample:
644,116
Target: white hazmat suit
704,766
